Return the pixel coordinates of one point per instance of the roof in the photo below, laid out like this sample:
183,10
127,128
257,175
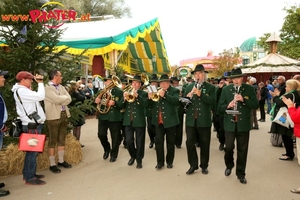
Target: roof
247,45
143,39
272,62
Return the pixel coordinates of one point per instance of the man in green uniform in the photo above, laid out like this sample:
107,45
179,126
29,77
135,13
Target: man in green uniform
150,127
165,119
240,97
198,119
111,120
134,120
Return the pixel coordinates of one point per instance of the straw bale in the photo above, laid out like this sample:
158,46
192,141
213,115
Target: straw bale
12,160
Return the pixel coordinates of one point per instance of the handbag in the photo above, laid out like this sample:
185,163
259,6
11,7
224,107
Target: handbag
16,128
32,141
283,118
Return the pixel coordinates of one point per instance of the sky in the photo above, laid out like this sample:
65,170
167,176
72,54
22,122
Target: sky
191,28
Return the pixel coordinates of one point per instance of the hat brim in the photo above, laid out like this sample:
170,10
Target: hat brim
164,80
192,72
134,79
236,76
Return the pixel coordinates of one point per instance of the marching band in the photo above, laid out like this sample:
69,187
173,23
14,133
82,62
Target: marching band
159,103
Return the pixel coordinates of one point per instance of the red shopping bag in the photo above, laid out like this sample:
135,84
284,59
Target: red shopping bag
32,142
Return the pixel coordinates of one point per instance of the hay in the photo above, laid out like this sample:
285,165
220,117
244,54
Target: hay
12,160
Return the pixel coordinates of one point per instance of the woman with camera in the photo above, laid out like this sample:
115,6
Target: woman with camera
32,116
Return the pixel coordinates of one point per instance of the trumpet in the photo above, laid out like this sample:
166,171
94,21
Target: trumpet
155,95
129,89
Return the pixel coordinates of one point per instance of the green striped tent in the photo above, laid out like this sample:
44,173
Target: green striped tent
134,42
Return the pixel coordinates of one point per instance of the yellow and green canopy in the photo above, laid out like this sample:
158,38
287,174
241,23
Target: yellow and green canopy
134,42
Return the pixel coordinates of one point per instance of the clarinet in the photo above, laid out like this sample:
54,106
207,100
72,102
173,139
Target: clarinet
235,116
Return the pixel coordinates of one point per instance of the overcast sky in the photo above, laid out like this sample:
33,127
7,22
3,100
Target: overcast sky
191,28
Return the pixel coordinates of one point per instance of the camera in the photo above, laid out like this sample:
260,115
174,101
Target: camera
35,116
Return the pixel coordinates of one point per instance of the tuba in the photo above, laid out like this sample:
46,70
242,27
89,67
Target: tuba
105,95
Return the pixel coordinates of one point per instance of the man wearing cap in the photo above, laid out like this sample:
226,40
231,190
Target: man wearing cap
27,102
237,97
135,121
179,128
198,119
57,113
3,128
165,119
150,127
111,120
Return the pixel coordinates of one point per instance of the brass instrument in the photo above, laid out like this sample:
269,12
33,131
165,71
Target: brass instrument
155,95
235,111
129,89
145,80
105,95
130,98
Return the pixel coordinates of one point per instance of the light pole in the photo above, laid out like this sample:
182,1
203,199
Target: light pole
154,64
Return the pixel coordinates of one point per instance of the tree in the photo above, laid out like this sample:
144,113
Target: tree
290,33
117,8
30,46
225,62
262,41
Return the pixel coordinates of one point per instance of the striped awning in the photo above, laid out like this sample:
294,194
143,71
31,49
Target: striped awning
141,41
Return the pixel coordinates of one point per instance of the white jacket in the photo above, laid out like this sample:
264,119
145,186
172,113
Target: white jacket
31,102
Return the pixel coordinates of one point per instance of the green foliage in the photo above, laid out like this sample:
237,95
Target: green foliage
79,110
117,8
290,33
262,41
34,50
225,62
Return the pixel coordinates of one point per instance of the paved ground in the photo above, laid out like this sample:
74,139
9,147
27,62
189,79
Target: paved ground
95,178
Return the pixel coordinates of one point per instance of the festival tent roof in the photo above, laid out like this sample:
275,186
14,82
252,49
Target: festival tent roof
273,62
142,39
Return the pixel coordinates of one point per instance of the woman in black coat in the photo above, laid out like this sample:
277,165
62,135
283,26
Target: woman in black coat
262,101
292,92
79,119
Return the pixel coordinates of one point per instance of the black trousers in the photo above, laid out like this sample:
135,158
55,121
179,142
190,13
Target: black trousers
262,110
204,135
288,145
179,131
135,145
115,132
219,125
159,144
150,129
242,141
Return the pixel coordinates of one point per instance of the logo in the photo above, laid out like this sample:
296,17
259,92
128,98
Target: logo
48,18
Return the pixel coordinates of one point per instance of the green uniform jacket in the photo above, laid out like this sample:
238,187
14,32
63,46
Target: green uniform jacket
136,110
244,118
202,105
114,113
169,108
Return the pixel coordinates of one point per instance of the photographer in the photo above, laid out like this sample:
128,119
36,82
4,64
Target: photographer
30,111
